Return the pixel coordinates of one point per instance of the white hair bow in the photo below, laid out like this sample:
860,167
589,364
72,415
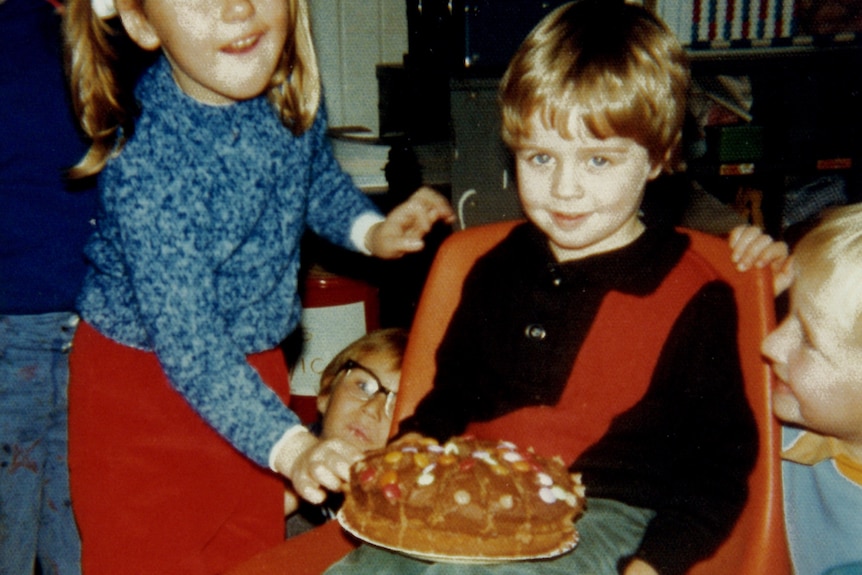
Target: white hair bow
104,8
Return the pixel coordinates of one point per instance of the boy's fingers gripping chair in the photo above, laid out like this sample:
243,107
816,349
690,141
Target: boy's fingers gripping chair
755,547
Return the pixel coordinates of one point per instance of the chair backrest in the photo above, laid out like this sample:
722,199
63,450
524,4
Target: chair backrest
757,544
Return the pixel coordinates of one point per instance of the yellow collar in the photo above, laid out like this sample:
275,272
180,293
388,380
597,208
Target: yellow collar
811,448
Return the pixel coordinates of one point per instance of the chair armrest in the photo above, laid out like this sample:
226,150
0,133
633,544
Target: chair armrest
308,554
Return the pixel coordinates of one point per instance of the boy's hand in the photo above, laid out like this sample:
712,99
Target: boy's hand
314,465
752,248
405,226
638,567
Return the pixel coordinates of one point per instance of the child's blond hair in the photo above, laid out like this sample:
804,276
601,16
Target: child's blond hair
390,341
615,61
102,93
827,264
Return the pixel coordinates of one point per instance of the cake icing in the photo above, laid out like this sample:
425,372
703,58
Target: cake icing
466,498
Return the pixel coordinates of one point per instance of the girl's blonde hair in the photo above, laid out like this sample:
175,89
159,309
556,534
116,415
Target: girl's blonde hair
614,61
102,93
828,267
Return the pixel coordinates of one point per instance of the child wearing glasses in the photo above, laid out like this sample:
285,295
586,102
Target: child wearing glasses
355,403
586,334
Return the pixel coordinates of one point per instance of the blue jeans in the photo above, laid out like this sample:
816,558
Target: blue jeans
36,519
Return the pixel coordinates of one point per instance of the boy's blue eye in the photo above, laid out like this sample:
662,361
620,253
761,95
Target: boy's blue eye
540,159
599,161
368,386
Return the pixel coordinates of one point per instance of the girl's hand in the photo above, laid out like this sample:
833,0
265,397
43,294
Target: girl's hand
405,226
291,502
315,465
752,248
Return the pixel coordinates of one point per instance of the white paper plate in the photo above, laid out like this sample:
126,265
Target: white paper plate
464,559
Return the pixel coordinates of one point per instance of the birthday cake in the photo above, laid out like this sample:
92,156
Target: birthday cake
465,499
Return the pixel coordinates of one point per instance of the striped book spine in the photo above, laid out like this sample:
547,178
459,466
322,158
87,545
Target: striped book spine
729,28
697,8
735,23
762,7
713,23
745,20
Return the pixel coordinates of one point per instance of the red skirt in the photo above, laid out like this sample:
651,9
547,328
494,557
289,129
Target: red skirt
154,488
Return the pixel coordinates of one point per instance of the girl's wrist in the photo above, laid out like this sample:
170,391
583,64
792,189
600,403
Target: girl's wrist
362,230
370,238
285,453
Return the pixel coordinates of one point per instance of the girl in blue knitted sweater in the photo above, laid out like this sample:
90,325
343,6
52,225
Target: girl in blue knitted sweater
210,171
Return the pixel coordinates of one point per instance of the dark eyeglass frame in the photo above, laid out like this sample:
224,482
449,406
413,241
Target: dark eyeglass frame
362,394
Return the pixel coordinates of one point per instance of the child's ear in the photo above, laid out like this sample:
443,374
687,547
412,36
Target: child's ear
137,25
655,171
323,402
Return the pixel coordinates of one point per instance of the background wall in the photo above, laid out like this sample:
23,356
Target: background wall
352,37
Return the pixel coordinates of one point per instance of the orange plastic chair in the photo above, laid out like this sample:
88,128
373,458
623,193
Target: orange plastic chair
755,547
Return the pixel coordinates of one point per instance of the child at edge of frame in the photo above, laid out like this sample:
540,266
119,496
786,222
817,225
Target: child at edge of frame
584,314
211,166
816,355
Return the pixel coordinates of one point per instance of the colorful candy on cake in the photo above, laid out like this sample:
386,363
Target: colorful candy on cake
467,498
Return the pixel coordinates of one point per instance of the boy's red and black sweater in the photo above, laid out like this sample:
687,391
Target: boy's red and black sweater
626,363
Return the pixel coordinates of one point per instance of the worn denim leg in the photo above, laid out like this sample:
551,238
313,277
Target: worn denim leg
36,519
59,547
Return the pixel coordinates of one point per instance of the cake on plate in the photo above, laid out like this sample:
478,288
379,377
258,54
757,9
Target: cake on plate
465,500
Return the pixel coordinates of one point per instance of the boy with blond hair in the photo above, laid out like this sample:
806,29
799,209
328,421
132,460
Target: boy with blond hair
355,403
816,353
584,333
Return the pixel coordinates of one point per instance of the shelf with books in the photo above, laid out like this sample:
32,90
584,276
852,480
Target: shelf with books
803,107
706,25
786,118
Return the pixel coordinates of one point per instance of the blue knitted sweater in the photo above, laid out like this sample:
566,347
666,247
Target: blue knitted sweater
196,252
